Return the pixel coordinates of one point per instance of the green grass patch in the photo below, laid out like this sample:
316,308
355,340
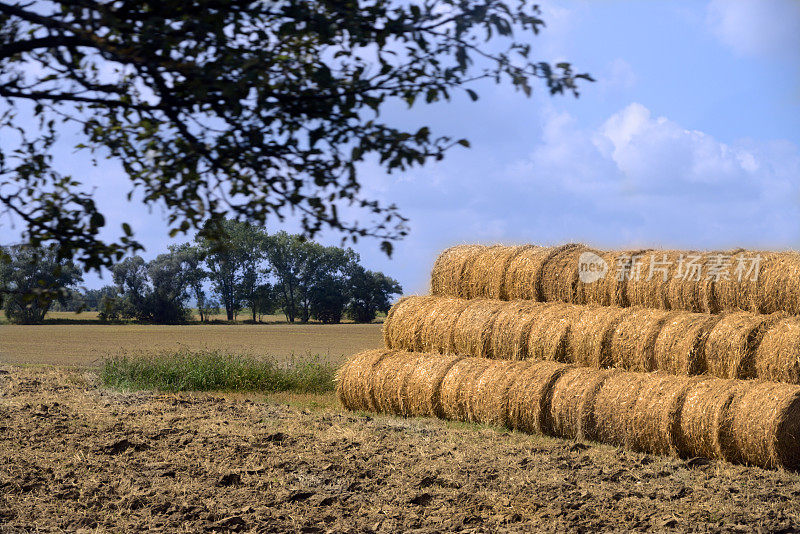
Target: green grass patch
217,371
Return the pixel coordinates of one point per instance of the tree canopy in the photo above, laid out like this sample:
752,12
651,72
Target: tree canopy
238,108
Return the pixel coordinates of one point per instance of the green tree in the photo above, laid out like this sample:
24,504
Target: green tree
329,297
31,280
193,260
370,292
247,109
154,291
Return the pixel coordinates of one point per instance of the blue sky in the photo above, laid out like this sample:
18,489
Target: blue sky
690,138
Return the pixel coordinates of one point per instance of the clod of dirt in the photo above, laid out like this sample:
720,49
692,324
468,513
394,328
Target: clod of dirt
229,479
120,446
696,462
277,437
233,523
299,496
422,499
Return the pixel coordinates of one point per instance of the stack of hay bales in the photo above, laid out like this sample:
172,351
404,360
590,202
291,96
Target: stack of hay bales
513,336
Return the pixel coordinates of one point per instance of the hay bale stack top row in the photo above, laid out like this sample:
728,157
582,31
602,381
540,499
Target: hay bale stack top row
708,282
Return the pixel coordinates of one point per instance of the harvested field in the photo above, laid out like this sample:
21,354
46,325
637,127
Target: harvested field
739,421
196,462
87,345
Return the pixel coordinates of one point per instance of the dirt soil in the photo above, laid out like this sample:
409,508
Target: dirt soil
76,456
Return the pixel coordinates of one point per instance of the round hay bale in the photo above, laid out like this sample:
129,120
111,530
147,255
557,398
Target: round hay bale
486,274
730,348
606,291
689,288
388,377
509,339
703,416
529,396
488,397
420,392
559,280
572,402
679,348
457,385
523,277
632,345
548,338
739,291
658,267
438,330
778,286
613,406
353,379
778,355
590,335
447,275
765,425
473,328
403,326
654,423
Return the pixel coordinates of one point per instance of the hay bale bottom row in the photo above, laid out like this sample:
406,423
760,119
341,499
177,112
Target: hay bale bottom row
749,422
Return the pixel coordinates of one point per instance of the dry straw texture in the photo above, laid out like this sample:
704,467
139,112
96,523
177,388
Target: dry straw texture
549,334
511,329
559,278
649,287
739,291
778,286
485,276
654,423
614,405
529,396
689,289
608,290
447,275
404,322
591,333
741,421
778,355
731,345
473,329
354,380
765,425
572,402
632,345
680,345
438,329
523,278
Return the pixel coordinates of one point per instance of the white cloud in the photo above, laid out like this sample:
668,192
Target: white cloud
757,27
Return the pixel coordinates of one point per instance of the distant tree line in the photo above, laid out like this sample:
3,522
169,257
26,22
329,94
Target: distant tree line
249,269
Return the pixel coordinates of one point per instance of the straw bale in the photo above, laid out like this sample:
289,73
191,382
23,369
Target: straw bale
485,276
420,392
778,286
654,423
488,397
457,385
354,377
649,288
765,425
529,396
438,329
633,341
447,275
388,324
572,402
693,290
388,377
559,280
703,429
731,345
590,335
548,338
402,328
473,328
739,290
614,405
512,326
680,346
607,291
524,273
778,355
